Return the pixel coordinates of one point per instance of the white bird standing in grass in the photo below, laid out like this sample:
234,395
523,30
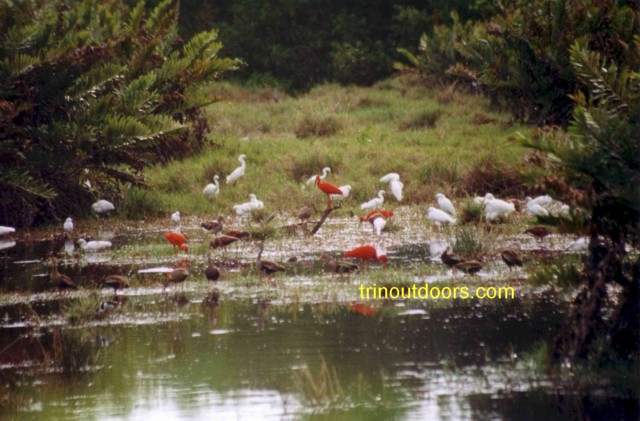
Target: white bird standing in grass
445,204
248,207
255,203
94,245
494,208
543,201
346,190
238,172
102,206
312,180
175,217
439,216
394,183
68,225
375,202
535,209
211,190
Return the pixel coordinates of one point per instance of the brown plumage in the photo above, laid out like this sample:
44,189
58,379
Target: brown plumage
222,241
338,266
510,258
179,274
211,272
239,234
62,281
305,214
449,258
469,266
539,232
116,282
267,266
213,227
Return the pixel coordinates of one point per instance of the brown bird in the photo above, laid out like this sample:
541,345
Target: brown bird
213,227
178,275
116,282
469,266
239,234
449,258
267,266
62,281
211,272
539,232
338,266
305,214
510,258
222,241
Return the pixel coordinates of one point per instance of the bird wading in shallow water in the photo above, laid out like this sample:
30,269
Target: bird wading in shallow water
328,189
238,172
213,227
177,240
366,253
538,232
178,275
60,280
267,266
511,258
116,282
449,258
470,267
94,245
211,272
338,266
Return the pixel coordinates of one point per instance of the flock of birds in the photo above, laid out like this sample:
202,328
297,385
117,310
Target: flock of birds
442,214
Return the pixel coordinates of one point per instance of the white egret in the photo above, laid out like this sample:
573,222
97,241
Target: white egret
102,206
312,180
212,189
238,172
68,225
439,216
445,204
95,245
375,202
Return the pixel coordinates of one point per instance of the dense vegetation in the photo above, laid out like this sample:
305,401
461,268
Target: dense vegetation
90,95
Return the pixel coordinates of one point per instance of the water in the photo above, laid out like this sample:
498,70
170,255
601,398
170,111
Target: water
305,346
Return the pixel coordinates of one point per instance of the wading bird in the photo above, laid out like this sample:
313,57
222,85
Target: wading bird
338,266
222,241
6,230
238,172
439,216
177,240
102,207
267,266
374,203
68,225
116,282
511,258
538,232
328,189
178,274
60,280
325,172
366,253
394,183
346,190
175,217
445,204
211,190
94,245
494,208
534,208
470,267
213,227
211,272
449,258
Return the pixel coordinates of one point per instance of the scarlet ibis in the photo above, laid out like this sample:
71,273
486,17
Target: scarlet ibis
68,225
469,266
62,281
222,241
494,208
211,190
385,213
445,204
267,266
328,189
238,172
511,258
538,232
439,216
177,240
116,282
394,183
375,202
534,208
449,258
366,253
211,272
213,227
311,180
338,266
363,309
6,230
102,206
94,245
175,217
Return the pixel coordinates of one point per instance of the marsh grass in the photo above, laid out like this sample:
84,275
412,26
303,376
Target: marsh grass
354,131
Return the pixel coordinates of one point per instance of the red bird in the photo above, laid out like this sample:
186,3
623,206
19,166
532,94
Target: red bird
363,309
178,240
382,212
328,189
366,253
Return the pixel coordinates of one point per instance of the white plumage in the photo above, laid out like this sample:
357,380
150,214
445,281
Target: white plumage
312,180
94,245
379,224
494,208
389,177
346,190
211,190
248,207
175,217
580,244
6,230
102,206
238,172
543,201
394,183
68,225
375,202
535,209
439,216
254,202
445,204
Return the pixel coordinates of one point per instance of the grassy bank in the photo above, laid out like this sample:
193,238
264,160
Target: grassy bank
438,140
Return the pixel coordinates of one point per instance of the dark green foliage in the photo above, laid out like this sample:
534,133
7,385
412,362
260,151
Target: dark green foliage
600,156
90,93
